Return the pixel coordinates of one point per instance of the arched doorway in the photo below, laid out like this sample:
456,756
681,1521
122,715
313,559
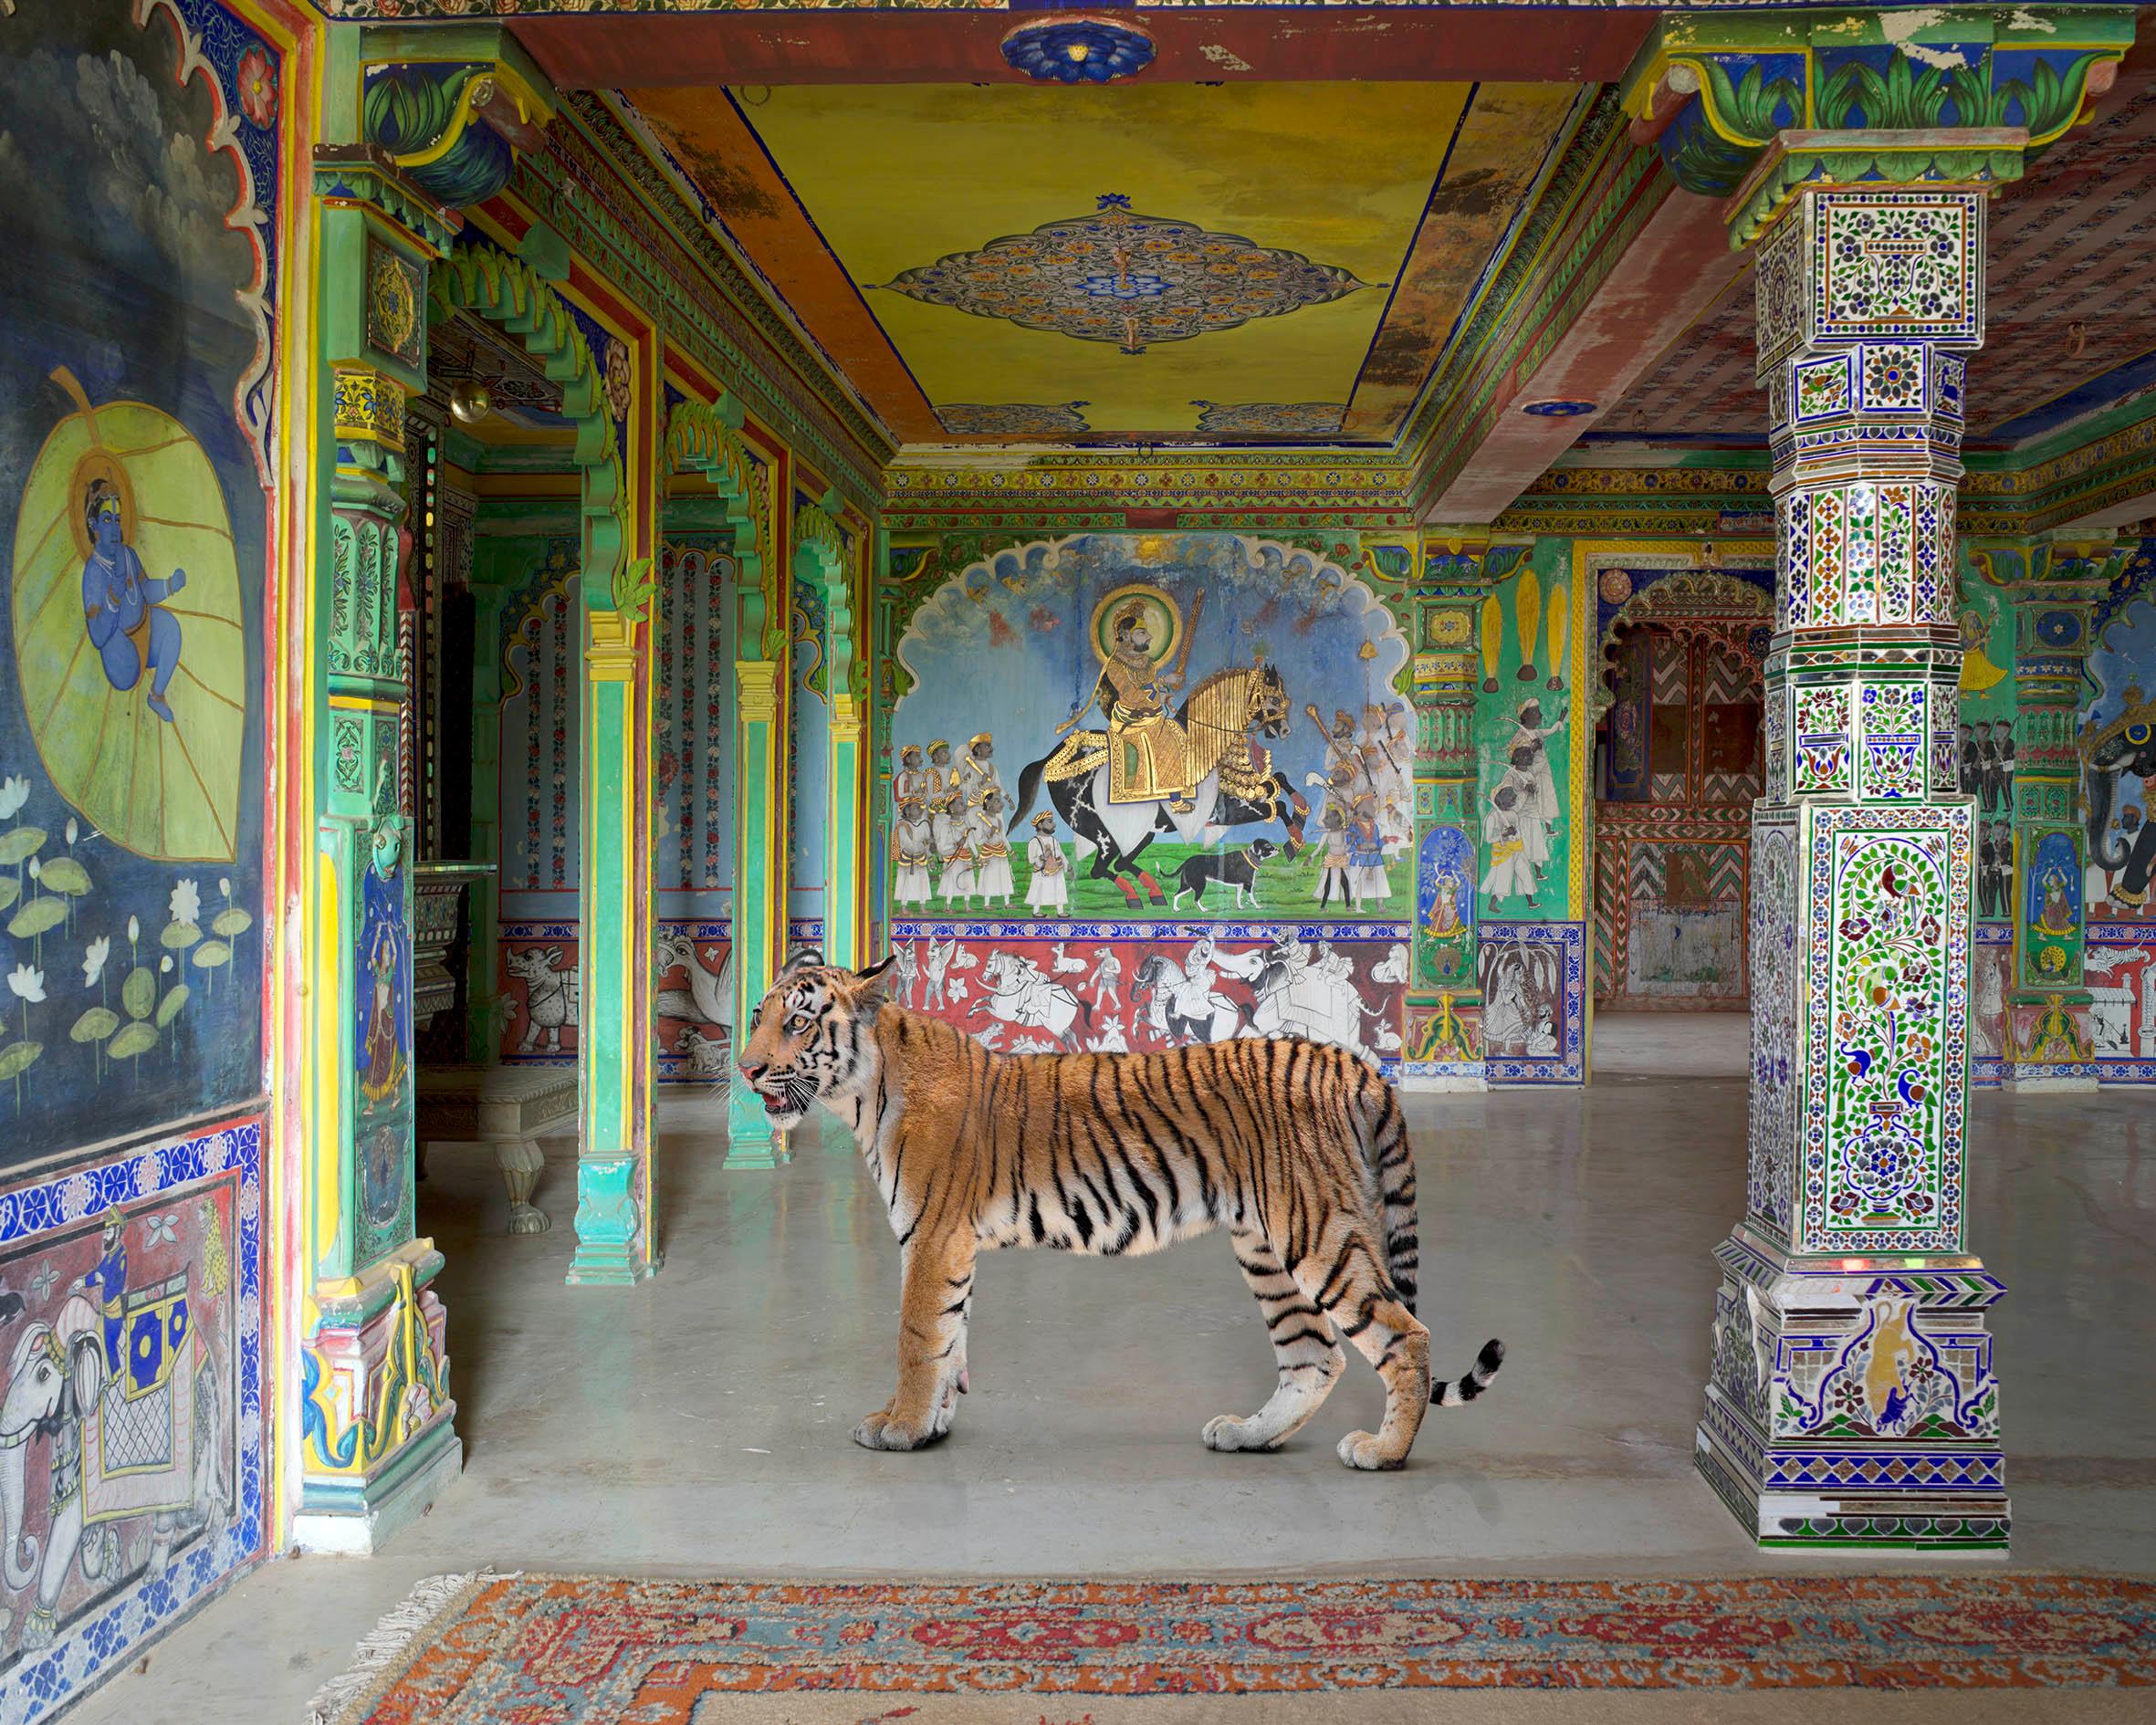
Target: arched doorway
1677,762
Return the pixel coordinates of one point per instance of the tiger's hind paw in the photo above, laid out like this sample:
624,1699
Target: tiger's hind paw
1225,1432
1362,1449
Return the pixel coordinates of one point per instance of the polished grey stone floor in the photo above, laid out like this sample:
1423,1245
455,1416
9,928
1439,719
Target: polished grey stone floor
700,1424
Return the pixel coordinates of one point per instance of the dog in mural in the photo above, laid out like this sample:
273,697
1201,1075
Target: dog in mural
1299,1150
1237,869
550,996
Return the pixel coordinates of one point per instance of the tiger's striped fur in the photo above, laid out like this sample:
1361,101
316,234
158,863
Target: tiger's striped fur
1298,1149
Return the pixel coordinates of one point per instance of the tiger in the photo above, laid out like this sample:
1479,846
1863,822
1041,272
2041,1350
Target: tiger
1299,1149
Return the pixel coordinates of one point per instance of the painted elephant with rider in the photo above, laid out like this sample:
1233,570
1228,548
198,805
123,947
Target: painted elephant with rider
120,1397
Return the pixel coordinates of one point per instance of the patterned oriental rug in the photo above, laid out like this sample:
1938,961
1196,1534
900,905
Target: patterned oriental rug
593,1650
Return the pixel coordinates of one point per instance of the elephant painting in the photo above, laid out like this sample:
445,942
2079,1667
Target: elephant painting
115,1424
2124,851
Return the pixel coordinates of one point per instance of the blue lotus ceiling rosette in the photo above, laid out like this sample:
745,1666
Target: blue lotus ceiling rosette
1078,50
1120,277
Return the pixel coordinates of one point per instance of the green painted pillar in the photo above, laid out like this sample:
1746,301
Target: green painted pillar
761,689
759,888
1444,985
613,1163
2046,1045
377,1439
824,556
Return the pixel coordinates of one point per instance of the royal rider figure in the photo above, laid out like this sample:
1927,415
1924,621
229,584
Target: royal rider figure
1148,752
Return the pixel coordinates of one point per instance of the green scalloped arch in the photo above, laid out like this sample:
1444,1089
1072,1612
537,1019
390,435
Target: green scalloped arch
819,558
698,437
505,291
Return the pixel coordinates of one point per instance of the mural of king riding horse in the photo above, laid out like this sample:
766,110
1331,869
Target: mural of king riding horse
2125,748
1237,783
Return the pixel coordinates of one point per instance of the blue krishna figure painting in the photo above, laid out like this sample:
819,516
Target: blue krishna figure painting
138,232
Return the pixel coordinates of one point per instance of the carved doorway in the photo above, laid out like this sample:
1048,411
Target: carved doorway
1678,761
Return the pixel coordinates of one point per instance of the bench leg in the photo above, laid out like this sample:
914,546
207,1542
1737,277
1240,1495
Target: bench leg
521,1162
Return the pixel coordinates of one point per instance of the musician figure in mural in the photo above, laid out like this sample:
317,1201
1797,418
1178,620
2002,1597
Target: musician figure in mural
1049,888
1193,770
1541,804
122,607
912,846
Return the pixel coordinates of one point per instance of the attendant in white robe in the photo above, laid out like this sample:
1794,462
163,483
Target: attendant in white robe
1048,889
992,878
912,844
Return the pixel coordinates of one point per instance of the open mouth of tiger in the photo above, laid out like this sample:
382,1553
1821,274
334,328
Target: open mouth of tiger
787,1102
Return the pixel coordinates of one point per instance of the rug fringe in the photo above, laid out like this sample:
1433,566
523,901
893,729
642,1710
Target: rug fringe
383,1647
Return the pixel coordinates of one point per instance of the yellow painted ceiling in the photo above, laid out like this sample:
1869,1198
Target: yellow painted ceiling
896,177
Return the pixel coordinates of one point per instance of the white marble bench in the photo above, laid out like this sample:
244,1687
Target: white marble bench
507,1107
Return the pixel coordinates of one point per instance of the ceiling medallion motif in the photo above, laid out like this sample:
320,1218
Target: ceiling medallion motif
1117,275
1013,418
1078,50
1270,419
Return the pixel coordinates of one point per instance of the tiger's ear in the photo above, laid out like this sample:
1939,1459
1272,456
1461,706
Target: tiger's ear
800,959
872,986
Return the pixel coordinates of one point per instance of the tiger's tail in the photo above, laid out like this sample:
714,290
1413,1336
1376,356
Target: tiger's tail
1458,1395
1383,1130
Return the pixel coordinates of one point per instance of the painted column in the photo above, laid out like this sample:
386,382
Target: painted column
825,558
1444,989
760,813
1852,1401
482,1032
2046,1045
377,1441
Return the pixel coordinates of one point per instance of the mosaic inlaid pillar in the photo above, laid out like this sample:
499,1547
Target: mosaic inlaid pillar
1852,1401
2046,1045
1444,1038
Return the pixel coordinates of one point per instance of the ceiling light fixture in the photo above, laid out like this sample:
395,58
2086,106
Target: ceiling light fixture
1558,409
1078,50
471,402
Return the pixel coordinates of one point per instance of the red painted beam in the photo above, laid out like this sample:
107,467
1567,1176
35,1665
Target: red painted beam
1508,44
1670,275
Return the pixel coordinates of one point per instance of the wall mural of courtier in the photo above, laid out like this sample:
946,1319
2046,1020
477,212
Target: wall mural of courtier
1151,689
138,228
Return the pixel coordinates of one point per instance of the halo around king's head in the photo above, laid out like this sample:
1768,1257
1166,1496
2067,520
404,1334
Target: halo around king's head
134,682
1151,607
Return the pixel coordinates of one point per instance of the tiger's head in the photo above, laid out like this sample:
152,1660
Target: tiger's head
805,1042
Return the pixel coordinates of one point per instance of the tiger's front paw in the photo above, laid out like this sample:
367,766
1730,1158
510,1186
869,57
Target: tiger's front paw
1225,1432
1362,1449
883,1430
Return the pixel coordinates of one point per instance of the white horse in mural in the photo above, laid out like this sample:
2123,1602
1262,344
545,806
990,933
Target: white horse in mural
1300,993
1017,993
